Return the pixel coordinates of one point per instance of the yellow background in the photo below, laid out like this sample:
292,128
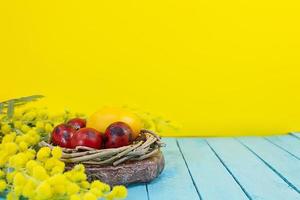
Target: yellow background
214,67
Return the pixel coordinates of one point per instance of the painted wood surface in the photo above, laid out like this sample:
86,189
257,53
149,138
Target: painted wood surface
254,176
210,176
280,161
175,183
289,143
137,192
255,168
296,134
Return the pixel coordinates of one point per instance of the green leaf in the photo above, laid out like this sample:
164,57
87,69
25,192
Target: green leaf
10,104
22,100
10,108
29,98
1,107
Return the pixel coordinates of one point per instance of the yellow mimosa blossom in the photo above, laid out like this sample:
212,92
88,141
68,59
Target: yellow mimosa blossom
96,192
29,116
18,190
79,176
11,148
3,158
58,183
43,153
9,137
30,154
40,175
89,196
29,187
79,167
48,128
5,128
58,167
57,170
57,179
25,128
18,160
72,188
59,189
11,196
85,184
30,165
19,179
56,152
43,191
2,174
2,185
50,163
100,186
23,146
20,138
40,125
118,192
18,124
75,197
10,176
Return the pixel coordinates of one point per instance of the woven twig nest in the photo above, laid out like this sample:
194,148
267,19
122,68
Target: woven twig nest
145,146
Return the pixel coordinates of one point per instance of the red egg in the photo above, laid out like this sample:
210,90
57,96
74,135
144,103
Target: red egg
77,123
62,134
88,137
118,134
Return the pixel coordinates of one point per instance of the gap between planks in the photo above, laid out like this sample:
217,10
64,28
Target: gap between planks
282,148
228,170
147,190
295,134
270,166
246,174
191,176
175,181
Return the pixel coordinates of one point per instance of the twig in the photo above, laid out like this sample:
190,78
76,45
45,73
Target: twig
113,156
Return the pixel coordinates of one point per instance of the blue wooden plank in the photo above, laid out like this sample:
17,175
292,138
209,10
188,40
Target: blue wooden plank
175,182
296,134
280,161
211,177
258,180
287,142
137,192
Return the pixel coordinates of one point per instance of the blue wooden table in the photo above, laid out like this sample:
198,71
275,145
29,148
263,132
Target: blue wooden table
227,168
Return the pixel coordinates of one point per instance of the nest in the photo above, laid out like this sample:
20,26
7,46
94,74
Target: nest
146,145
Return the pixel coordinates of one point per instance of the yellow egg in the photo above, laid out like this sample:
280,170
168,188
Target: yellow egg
101,119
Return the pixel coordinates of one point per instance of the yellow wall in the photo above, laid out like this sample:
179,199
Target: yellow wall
215,67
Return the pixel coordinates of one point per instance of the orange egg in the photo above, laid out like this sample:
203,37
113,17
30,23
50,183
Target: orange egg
101,119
